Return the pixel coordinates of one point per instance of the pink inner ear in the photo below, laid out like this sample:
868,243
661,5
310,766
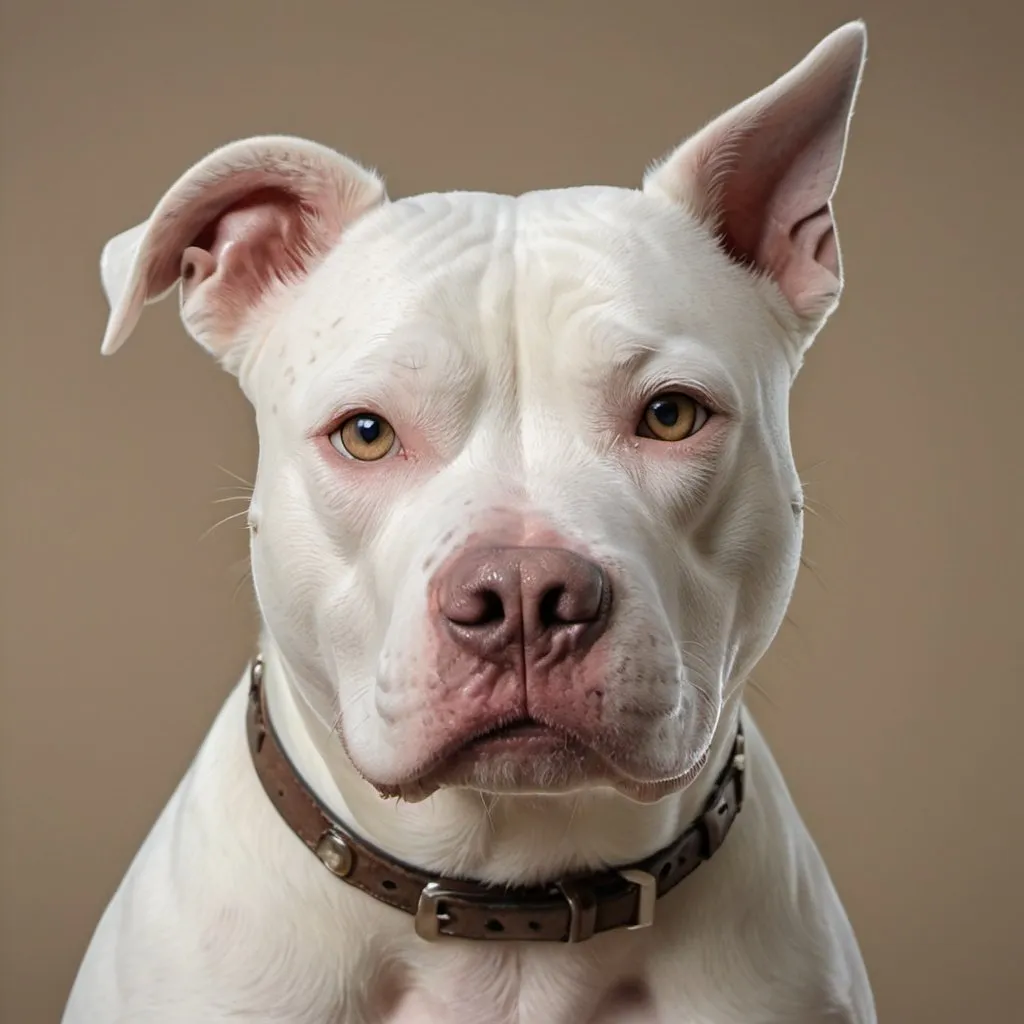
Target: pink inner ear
255,242
762,175
249,214
772,184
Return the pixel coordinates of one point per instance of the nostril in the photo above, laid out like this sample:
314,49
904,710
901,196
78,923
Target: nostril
483,607
578,597
500,600
550,610
492,608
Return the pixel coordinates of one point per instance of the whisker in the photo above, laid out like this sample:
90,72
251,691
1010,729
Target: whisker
235,476
810,567
221,522
574,807
701,663
487,811
349,701
693,643
762,692
246,578
733,690
814,465
706,696
816,508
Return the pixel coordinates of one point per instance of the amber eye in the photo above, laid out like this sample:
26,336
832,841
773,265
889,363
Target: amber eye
673,416
364,437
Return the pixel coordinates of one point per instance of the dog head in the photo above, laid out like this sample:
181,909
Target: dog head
526,512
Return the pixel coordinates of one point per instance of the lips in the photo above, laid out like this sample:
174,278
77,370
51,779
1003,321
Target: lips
522,755
520,728
520,752
525,755
519,733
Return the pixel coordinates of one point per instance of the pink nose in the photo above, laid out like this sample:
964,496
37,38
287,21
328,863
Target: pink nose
544,603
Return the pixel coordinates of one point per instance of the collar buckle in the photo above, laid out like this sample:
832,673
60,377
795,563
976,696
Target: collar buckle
429,914
725,801
582,909
647,897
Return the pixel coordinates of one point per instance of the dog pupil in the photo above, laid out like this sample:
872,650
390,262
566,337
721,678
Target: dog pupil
369,429
666,413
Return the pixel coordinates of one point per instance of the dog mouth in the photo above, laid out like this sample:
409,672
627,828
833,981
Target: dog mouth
522,732
509,753
526,755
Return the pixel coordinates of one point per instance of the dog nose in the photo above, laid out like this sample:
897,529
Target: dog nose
547,602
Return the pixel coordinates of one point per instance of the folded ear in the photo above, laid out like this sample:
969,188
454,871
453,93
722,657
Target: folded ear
762,175
247,218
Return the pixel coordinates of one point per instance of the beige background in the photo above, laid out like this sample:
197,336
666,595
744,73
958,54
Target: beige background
897,689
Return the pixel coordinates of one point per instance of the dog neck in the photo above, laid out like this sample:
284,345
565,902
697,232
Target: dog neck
497,839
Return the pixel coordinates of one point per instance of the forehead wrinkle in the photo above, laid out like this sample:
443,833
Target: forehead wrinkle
616,353
561,286
620,342
416,236
580,257
399,296
616,257
410,365
658,260
574,293
414,344
592,290
598,235
388,260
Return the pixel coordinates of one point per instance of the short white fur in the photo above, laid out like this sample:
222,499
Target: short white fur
509,340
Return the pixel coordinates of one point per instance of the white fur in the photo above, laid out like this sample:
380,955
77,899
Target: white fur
513,342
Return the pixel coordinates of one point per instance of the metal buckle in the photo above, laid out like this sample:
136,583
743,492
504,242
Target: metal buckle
255,676
739,766
581,900
725,802
582,909
427,920
739,757
648,886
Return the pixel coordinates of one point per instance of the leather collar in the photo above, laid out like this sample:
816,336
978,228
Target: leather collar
571,909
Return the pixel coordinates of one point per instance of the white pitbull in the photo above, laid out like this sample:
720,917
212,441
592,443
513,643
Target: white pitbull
525,518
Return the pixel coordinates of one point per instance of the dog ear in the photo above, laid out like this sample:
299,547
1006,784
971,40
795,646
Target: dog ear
763,174
248,217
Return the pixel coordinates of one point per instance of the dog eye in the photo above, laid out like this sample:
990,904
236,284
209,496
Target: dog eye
365,438
673,416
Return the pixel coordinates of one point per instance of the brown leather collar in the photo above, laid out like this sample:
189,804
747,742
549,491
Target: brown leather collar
571,909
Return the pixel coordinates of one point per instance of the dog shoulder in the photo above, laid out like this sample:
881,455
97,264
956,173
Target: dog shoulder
200,920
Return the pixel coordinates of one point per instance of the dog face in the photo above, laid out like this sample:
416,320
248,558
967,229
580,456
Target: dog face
526,511
471,385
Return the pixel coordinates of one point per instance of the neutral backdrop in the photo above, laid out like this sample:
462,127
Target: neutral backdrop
894,694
